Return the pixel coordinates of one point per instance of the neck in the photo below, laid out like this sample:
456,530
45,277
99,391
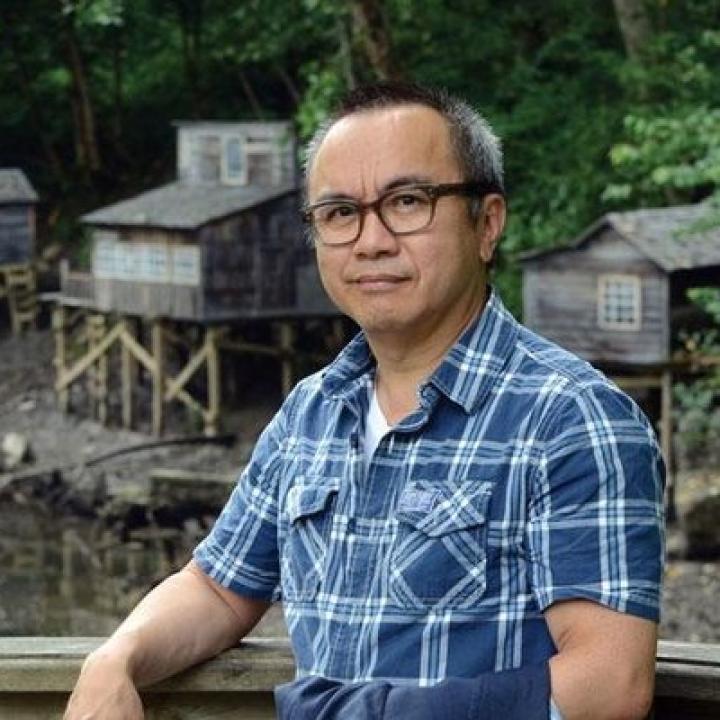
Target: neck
404,363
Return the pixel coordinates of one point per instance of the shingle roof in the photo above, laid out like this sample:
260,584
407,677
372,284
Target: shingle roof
15,187
181,206
667,236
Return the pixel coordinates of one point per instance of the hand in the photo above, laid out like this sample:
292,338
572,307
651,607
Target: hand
104,691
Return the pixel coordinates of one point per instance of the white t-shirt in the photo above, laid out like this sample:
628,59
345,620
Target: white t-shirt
376,427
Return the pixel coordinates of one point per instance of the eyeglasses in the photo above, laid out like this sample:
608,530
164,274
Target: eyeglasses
403,211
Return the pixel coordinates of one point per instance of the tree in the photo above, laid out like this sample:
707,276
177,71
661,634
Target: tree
635,27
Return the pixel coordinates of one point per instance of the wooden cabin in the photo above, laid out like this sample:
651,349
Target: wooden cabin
197,260
616,296
18,201
223,241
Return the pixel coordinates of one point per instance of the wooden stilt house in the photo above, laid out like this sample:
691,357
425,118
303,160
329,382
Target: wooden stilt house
221,245
617,295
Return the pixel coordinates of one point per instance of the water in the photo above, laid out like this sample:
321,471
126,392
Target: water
77,577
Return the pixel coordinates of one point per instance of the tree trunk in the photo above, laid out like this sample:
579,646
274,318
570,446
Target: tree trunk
87,152
250,95
117,87
371,30
288,82
190,15
635,27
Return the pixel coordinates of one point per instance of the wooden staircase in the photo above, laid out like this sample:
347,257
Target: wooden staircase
19,286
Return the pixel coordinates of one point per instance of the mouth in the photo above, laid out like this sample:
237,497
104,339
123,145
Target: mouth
379,282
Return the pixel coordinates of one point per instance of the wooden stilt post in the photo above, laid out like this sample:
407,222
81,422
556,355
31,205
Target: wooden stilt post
102,372
60,362
127,366
287,337
666,443
158,351
213,382
91,380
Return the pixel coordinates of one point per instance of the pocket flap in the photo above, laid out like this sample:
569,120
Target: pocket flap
310,496
436,509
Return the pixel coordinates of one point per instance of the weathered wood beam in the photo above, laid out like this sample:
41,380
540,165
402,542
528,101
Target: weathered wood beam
213,381
60,360
138,351
181,379
88,359
127,375
158,353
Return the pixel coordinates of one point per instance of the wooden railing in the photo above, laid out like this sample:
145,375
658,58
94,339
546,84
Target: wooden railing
76,285
37,674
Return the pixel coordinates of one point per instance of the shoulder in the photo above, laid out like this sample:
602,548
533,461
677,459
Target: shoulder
574,393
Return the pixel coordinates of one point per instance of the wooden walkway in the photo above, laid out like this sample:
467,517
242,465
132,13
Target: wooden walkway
37,674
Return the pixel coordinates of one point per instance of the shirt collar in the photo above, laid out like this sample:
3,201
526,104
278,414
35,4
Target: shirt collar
469,370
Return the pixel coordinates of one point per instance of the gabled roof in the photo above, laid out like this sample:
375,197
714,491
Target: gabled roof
15,187
667,236
182,206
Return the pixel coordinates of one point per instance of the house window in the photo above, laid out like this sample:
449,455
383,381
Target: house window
619,300
233,168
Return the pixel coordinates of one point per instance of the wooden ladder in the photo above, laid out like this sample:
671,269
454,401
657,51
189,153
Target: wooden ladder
18,284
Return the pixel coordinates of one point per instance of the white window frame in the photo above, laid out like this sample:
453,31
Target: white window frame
634,284
225,176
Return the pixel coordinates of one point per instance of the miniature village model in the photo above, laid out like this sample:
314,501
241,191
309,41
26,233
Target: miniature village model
221,246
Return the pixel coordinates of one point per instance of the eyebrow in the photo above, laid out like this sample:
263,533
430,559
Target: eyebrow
398,182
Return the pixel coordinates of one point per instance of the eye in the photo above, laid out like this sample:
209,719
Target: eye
335,213
405,201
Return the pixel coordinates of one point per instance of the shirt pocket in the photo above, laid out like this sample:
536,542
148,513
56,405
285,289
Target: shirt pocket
438,557
309,511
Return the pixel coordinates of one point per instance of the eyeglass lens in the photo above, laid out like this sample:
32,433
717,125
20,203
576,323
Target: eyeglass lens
405,210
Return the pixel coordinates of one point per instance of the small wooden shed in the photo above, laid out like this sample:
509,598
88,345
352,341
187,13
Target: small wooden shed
18,201
617,294
223,241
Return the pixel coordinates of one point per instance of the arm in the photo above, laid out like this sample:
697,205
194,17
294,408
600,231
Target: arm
605,665
184,620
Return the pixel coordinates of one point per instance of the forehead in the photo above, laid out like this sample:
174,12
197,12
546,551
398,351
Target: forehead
364,152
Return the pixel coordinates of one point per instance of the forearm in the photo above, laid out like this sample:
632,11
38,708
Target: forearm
605,665
178,624
586,687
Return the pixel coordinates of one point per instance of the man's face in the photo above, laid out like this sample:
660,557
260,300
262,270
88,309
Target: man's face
407,285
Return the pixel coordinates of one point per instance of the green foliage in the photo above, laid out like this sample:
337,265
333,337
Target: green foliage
670,158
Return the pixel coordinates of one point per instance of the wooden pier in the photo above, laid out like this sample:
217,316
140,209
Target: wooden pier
37,675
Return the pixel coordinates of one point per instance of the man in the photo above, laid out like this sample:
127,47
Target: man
452,501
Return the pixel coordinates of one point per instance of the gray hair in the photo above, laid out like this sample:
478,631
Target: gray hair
477,149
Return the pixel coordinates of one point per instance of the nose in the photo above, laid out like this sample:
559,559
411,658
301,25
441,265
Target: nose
375,239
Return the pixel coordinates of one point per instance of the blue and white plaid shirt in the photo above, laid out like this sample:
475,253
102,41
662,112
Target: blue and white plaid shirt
523,478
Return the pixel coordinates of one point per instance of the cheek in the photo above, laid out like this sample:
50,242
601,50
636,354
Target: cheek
330,270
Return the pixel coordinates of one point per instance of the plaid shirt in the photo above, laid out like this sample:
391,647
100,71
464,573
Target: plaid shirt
524,477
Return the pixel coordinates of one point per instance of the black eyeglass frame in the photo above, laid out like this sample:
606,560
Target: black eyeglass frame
435,192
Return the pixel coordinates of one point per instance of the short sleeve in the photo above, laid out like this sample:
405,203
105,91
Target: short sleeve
596,528
241,550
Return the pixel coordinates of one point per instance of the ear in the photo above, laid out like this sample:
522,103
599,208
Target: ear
490,224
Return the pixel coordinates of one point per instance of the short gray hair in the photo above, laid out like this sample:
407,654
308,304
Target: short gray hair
477,149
